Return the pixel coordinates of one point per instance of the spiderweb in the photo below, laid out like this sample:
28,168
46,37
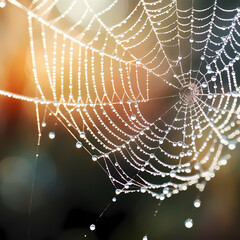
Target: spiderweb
152,96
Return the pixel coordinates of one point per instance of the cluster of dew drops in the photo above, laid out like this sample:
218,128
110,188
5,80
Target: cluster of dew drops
188,222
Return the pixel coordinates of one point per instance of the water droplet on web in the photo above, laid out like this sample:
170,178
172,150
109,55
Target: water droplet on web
92,227
51,135
145,238
188,223
160,141
214,78
44,124
204,84
133,117
114,199
231,145
118,191
82,135
78,144
143,189
94,158
172,174
197,203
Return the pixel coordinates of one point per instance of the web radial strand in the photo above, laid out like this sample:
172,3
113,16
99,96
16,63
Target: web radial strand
153,96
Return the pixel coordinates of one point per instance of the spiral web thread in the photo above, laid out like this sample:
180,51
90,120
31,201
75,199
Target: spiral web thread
100,77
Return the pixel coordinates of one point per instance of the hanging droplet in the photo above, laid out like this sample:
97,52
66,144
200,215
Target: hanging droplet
161,141
231,145
208,67
143,189
92,227
152,155
82,134
133,117
202,58
191,40
204,84
188,223
118,191
197,203
78,144
138,61
189,152
94,158
114,199
51,135
3,3
145,238
181,154
44,124
172,174
214,78
197,166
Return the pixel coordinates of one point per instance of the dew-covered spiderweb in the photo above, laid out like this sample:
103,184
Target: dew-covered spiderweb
151,91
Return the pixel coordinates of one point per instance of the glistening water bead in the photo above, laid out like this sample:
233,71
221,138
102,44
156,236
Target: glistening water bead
197,203
78,144
188,223
145,238
82,135
92,227
204,84
51,135
133,117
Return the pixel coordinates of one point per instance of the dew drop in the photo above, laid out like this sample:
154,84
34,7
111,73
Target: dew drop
92,227
181,154
214,78
208,67
114,199
51,135
152,155
118,191
133,117
231,145
188,223
94,158
197,203
160,141
172,174
210,96
196,166
145,238
78,144
82,134
44,124
204,84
